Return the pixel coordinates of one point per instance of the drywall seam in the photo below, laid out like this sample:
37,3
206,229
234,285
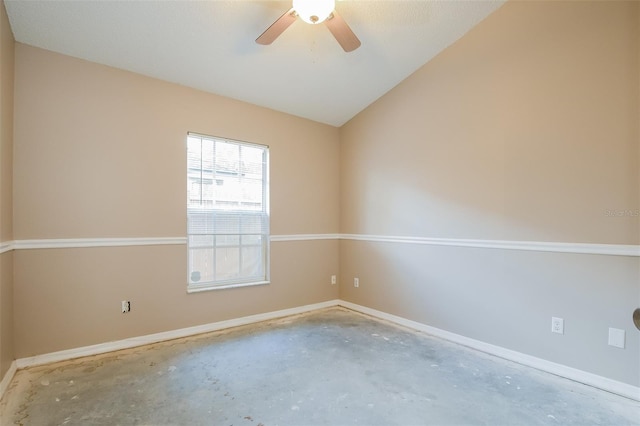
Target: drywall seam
600,382
6,380
554,247
167,335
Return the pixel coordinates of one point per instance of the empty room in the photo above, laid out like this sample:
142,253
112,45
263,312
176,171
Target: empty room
318,212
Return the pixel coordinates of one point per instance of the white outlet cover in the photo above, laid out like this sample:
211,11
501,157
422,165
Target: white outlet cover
616,337
557,325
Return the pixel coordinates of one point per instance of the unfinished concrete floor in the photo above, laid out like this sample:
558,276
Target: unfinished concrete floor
331,367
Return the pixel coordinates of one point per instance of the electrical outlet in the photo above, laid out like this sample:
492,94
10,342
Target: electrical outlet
126,306
557,325
356,282
616,338
334,280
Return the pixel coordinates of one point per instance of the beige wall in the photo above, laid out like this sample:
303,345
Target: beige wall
6,205
525,129
107,156
100,152
6,128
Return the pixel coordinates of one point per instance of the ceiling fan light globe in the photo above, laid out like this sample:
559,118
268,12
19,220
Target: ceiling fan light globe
314,11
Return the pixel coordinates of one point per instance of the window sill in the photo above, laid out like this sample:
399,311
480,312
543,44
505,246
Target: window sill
225,287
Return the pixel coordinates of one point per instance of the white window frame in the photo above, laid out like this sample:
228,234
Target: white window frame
214,216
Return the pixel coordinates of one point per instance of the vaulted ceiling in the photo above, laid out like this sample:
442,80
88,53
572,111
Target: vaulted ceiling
210,45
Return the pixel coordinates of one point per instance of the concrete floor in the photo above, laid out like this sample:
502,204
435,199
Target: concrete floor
331,367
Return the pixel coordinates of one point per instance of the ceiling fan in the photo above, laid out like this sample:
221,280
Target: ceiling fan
313,12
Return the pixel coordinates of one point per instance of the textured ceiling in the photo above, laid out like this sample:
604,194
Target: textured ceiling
209,45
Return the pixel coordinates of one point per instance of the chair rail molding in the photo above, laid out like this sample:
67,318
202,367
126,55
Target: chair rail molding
541,246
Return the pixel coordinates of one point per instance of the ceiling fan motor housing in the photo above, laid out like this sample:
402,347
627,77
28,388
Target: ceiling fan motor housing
314,11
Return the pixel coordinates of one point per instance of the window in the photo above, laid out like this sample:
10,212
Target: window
227,213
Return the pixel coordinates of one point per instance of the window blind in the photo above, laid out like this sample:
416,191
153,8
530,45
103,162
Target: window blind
227,211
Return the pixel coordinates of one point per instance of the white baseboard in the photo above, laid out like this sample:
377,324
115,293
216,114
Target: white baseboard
609,385
590,379
6,380
167,335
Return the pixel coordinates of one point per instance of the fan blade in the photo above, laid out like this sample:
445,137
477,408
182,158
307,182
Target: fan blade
277,28
342,32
